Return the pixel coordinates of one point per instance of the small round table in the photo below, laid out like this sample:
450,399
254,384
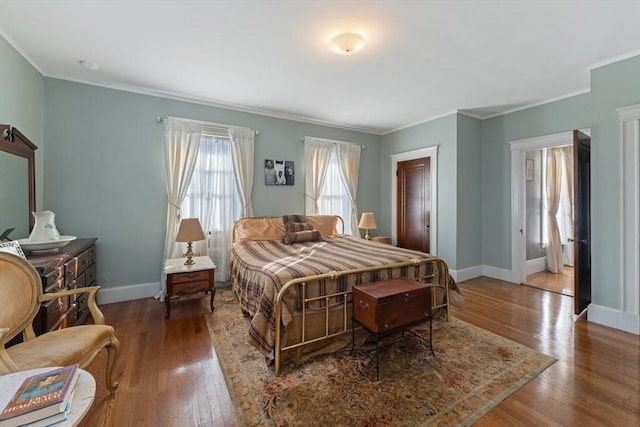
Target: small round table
82,399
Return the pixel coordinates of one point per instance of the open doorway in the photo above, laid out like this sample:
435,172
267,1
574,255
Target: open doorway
549,218
522,170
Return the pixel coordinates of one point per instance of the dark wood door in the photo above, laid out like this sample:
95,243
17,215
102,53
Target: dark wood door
414,204
582,220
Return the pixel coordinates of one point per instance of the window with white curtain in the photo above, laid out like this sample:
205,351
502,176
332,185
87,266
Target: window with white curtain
333,198
213,198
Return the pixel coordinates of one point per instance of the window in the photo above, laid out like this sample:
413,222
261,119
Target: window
333,198
213,198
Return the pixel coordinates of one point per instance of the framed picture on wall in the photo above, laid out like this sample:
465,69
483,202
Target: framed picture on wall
279,172
529,169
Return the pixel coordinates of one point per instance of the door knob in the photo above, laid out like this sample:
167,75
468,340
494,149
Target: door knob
569,239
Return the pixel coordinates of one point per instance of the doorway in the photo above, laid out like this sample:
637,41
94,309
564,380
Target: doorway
432,154
548,237
580,241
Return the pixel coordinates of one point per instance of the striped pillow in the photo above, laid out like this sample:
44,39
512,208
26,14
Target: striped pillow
297,226
301,236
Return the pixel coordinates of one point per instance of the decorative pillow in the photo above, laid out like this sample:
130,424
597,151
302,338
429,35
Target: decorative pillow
259,229
325,224
293,218
301,236
12,247
297,226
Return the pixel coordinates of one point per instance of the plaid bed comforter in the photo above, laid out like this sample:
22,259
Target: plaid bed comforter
259,269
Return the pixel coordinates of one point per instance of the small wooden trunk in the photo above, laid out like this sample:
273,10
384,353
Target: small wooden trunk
389,304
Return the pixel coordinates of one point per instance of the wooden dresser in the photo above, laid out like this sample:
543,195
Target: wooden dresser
71,267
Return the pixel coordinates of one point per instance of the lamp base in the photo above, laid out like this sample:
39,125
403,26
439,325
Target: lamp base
366,236
189,255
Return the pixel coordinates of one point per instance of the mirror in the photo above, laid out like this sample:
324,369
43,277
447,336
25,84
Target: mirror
17,183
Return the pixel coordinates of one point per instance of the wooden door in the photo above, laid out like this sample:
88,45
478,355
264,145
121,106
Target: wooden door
414,204
582,220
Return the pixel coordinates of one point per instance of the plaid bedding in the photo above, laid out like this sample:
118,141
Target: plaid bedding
259,269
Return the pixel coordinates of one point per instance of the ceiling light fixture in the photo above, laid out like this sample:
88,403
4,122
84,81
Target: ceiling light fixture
347,43
89,65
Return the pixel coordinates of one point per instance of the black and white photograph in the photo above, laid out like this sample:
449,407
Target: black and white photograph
279,172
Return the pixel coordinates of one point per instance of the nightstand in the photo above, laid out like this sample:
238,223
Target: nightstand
381,239
183,278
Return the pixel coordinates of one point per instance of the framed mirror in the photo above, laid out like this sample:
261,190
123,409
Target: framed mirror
17,183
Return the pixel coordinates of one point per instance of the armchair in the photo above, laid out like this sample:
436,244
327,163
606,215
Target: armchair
20,299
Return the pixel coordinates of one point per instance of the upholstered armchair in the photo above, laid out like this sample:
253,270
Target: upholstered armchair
20,299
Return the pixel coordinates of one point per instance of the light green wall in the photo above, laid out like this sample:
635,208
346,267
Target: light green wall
555,117
613,86
21,104
104,174
469,193
442,133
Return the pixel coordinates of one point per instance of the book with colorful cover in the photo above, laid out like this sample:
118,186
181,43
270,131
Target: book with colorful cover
40,396
54,419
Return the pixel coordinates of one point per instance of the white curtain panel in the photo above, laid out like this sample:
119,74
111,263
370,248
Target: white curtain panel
182,141
242,144
316,156
551,204
349,161
215,201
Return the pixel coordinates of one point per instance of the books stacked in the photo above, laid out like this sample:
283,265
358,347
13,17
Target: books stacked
42,400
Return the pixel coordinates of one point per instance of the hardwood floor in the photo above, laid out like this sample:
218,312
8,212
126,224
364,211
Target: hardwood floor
562,283
169,374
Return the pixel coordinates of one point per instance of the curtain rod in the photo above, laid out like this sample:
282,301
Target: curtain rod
335,141
161,119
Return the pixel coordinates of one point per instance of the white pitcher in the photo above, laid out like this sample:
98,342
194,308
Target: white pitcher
44,229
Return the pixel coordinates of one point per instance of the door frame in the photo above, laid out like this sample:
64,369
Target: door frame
518,201
629,118
432,154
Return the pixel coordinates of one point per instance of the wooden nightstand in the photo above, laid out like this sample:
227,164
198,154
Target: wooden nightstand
183,278
381,239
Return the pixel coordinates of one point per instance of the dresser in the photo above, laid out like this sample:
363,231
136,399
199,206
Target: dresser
71,267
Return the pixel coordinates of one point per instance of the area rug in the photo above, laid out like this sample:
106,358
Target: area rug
473,371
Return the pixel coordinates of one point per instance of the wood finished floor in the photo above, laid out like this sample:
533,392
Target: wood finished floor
562,283
170,376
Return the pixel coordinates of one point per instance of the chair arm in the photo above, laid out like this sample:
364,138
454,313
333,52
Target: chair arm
97,315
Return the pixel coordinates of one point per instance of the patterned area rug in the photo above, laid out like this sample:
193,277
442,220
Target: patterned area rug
472,372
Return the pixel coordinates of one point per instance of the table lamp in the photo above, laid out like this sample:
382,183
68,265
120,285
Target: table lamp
368,222
190,231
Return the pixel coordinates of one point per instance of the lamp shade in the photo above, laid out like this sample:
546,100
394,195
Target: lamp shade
367,221
190,230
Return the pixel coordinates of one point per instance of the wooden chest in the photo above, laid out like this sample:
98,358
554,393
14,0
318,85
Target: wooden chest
390,304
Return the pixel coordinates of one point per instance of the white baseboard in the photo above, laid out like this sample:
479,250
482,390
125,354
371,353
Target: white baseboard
466,273
498,273
614,318
536,265
127,293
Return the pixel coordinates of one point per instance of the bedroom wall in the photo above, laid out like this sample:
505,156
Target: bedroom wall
554,117
612,86
104,174
469,193
21,104
441,132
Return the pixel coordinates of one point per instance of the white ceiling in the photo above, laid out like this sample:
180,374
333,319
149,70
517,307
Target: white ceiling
424,59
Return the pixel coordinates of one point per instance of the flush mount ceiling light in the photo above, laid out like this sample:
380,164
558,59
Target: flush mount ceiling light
347,43
89,65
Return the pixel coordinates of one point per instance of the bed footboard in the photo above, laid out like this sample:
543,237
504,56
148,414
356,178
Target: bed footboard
431,270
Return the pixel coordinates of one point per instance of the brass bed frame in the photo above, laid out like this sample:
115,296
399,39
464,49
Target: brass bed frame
438,276
439,270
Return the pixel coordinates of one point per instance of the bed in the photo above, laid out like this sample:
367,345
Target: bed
298,295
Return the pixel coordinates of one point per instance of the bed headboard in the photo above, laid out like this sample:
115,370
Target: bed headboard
272,227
